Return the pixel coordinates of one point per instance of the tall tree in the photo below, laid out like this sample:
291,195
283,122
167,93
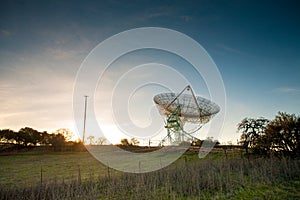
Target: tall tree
45,139
251,130
57,141
7,136
68,134
125,142
285,133
29,136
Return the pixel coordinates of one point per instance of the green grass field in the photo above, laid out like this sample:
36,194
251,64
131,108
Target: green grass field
25,168
214,177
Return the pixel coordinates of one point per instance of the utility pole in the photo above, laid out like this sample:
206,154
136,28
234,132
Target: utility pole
84,120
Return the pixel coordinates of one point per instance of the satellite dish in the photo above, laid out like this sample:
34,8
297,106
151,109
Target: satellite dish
184,114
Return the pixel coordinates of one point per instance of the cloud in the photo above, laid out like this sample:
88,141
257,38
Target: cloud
186,18
61,54
157,14
5,33
286,90
232,50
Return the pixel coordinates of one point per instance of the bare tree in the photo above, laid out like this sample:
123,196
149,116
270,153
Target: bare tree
101,140
91,138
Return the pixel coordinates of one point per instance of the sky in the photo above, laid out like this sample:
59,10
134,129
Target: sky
254,44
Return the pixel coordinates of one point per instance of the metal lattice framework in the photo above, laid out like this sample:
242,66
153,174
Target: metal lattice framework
179,109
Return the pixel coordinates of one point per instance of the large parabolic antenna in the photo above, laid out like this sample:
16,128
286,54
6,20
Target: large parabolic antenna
184,114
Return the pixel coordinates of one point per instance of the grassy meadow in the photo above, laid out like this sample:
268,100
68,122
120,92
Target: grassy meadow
77,175
26,168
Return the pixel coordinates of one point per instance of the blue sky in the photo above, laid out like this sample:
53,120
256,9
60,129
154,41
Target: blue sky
255,45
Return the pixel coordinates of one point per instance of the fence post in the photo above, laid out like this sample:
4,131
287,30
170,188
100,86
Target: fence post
79,175
140,166
41,175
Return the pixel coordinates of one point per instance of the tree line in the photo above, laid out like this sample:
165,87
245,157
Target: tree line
280,136
27,137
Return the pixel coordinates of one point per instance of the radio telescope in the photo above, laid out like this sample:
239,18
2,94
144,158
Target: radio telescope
184,114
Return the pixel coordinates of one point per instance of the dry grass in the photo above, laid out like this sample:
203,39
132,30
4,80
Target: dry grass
189,178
